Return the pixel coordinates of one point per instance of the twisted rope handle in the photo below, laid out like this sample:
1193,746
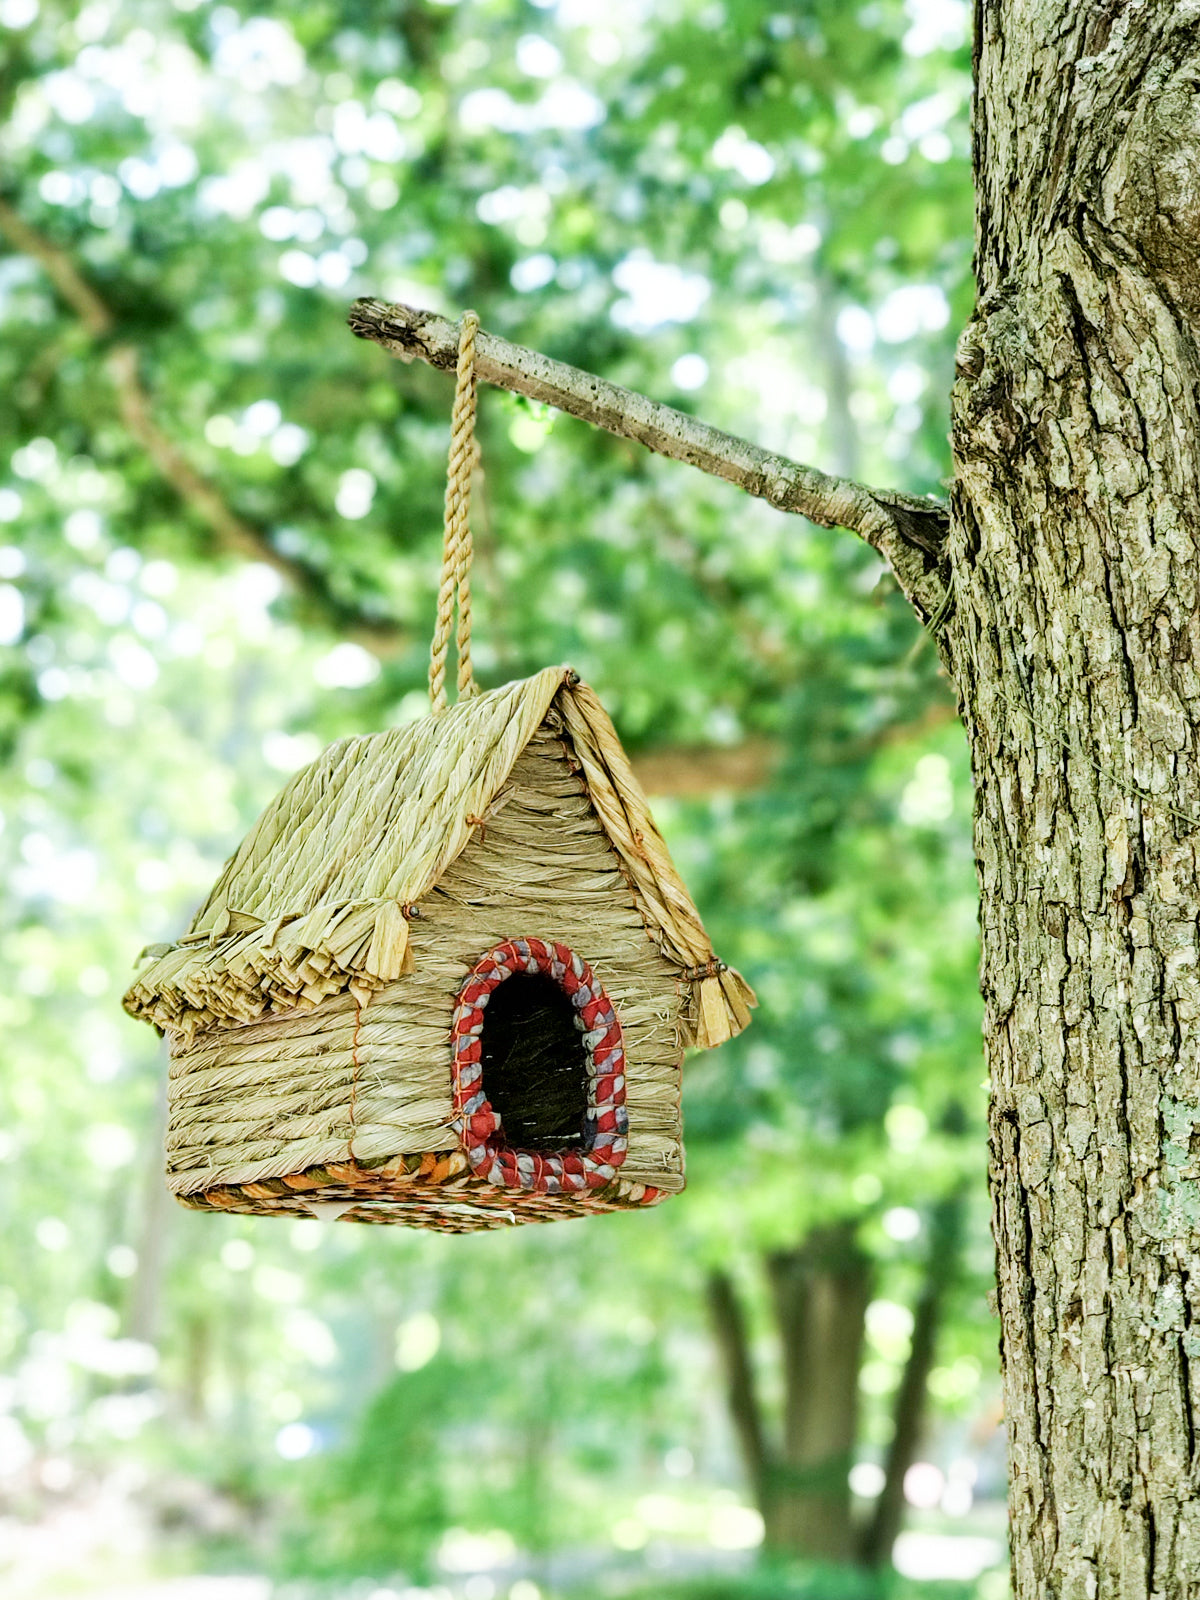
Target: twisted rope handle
456,540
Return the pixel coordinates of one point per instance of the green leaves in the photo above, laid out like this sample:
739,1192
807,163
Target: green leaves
759,212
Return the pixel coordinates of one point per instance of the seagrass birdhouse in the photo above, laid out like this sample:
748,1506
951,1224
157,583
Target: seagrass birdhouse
449,976
447,979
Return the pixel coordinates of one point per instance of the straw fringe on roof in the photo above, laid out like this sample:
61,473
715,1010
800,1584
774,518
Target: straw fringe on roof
315,900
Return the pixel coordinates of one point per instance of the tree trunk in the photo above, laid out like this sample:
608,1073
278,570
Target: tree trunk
908,1413
821,1291
733,1346
1075,642
157,1211
841,430
197,1331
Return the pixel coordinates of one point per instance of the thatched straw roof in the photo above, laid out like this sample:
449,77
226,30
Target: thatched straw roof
313,902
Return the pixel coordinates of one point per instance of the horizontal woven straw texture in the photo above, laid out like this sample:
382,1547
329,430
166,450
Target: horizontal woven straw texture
312,903
308,1075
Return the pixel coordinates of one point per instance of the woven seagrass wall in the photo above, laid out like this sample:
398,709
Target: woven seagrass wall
342,1084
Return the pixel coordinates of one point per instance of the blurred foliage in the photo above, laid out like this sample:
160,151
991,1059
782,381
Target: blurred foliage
756,211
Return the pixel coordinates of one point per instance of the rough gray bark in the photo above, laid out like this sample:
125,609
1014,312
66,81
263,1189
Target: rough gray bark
1075,643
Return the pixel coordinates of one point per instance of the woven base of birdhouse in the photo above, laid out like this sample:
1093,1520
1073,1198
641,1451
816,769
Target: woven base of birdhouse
434,1191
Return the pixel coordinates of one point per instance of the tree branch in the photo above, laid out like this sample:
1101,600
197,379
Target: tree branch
689,771
136,407
908,532
686,771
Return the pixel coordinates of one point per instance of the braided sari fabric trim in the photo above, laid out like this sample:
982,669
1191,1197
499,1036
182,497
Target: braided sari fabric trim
605,1122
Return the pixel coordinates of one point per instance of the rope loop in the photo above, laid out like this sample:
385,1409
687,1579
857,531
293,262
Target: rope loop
456,539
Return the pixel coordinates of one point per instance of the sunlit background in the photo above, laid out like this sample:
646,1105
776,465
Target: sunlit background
220,533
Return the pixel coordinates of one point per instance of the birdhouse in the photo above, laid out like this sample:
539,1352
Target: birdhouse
447,980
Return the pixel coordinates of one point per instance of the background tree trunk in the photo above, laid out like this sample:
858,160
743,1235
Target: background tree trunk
1076,647
157,1210
908,1414
733,1346
820,1291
